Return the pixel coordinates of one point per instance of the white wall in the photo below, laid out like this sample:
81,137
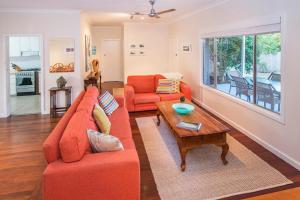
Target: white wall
54,24
281,138
156,40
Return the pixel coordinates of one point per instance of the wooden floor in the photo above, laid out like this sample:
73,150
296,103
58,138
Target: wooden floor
22,161
292,194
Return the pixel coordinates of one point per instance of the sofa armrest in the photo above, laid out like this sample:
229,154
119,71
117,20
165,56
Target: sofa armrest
186,90
107,175
120,100
129,96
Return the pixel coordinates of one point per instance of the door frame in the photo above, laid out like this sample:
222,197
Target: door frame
121,54
7,75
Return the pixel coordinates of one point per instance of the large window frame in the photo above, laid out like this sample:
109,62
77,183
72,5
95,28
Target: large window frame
267,25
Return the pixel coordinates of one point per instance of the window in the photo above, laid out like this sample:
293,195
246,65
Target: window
246,66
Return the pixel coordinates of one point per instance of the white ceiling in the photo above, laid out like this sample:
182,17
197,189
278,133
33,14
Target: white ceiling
111,11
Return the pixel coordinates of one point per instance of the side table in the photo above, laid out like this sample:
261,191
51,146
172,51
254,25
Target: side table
54,110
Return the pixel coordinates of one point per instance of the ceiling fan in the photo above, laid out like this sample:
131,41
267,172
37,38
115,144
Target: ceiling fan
152,12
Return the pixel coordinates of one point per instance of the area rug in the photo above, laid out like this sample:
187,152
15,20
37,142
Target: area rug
205,176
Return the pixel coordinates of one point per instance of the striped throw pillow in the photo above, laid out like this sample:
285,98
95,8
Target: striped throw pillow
108,103
167,86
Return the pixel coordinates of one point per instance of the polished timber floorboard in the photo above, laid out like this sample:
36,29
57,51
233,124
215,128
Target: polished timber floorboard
22,161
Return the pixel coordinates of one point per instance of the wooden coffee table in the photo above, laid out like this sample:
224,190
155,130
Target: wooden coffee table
212,131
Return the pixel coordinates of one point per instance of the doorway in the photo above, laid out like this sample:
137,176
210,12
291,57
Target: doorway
111,65
24,71
173,55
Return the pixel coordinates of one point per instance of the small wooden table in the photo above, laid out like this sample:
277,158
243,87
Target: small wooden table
53,108
212,131
93,81
118,92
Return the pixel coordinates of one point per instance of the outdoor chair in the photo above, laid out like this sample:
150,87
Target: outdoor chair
267,94
242,87
275,77
232,82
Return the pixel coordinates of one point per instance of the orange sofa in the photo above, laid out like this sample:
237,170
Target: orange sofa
140,92
74,173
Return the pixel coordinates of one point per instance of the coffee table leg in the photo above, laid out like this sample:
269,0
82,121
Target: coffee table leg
158,119
182,155
225,149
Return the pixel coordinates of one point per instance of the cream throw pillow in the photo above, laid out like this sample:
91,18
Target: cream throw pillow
101,142
101,119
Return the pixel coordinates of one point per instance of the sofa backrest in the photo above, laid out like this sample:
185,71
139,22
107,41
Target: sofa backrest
84,102
74,143
51,144
142,84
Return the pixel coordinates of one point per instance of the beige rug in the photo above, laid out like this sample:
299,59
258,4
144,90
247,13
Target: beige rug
205,176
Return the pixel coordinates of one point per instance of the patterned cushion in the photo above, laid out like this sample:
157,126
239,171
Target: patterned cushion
101,119
108,103
167,86
101,142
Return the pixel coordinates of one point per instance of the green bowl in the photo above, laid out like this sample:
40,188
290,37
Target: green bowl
183,108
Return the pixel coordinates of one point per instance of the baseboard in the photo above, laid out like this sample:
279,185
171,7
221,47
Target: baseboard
263,143
3,115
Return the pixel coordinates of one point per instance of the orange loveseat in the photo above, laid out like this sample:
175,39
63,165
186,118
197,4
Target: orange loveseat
74,173
140,92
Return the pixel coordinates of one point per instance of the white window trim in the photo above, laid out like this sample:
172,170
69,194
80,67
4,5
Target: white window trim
230,31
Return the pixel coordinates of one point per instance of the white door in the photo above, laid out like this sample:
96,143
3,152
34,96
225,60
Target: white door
110,65
173,55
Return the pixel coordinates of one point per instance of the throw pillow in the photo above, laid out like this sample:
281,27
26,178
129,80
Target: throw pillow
108,103
168,86
101,142
101,119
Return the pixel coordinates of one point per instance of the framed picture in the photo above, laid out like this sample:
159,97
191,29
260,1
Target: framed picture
132,46
61,55
87,45
137,49
141,52
141,46
187,48
132,53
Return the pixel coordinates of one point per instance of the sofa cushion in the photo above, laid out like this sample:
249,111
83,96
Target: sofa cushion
101,119
101,142
170,97
145,106
120,114
121,129
108,103
146,98
142,84
128,143
74,142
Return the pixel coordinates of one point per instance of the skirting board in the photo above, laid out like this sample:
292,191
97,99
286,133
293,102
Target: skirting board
263,143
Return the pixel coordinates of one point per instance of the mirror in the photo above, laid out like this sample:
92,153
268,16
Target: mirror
62,55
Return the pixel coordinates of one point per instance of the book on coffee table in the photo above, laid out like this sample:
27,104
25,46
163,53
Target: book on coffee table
189,125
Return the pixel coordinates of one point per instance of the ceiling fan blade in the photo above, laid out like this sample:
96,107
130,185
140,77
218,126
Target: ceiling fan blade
138,13
166,11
